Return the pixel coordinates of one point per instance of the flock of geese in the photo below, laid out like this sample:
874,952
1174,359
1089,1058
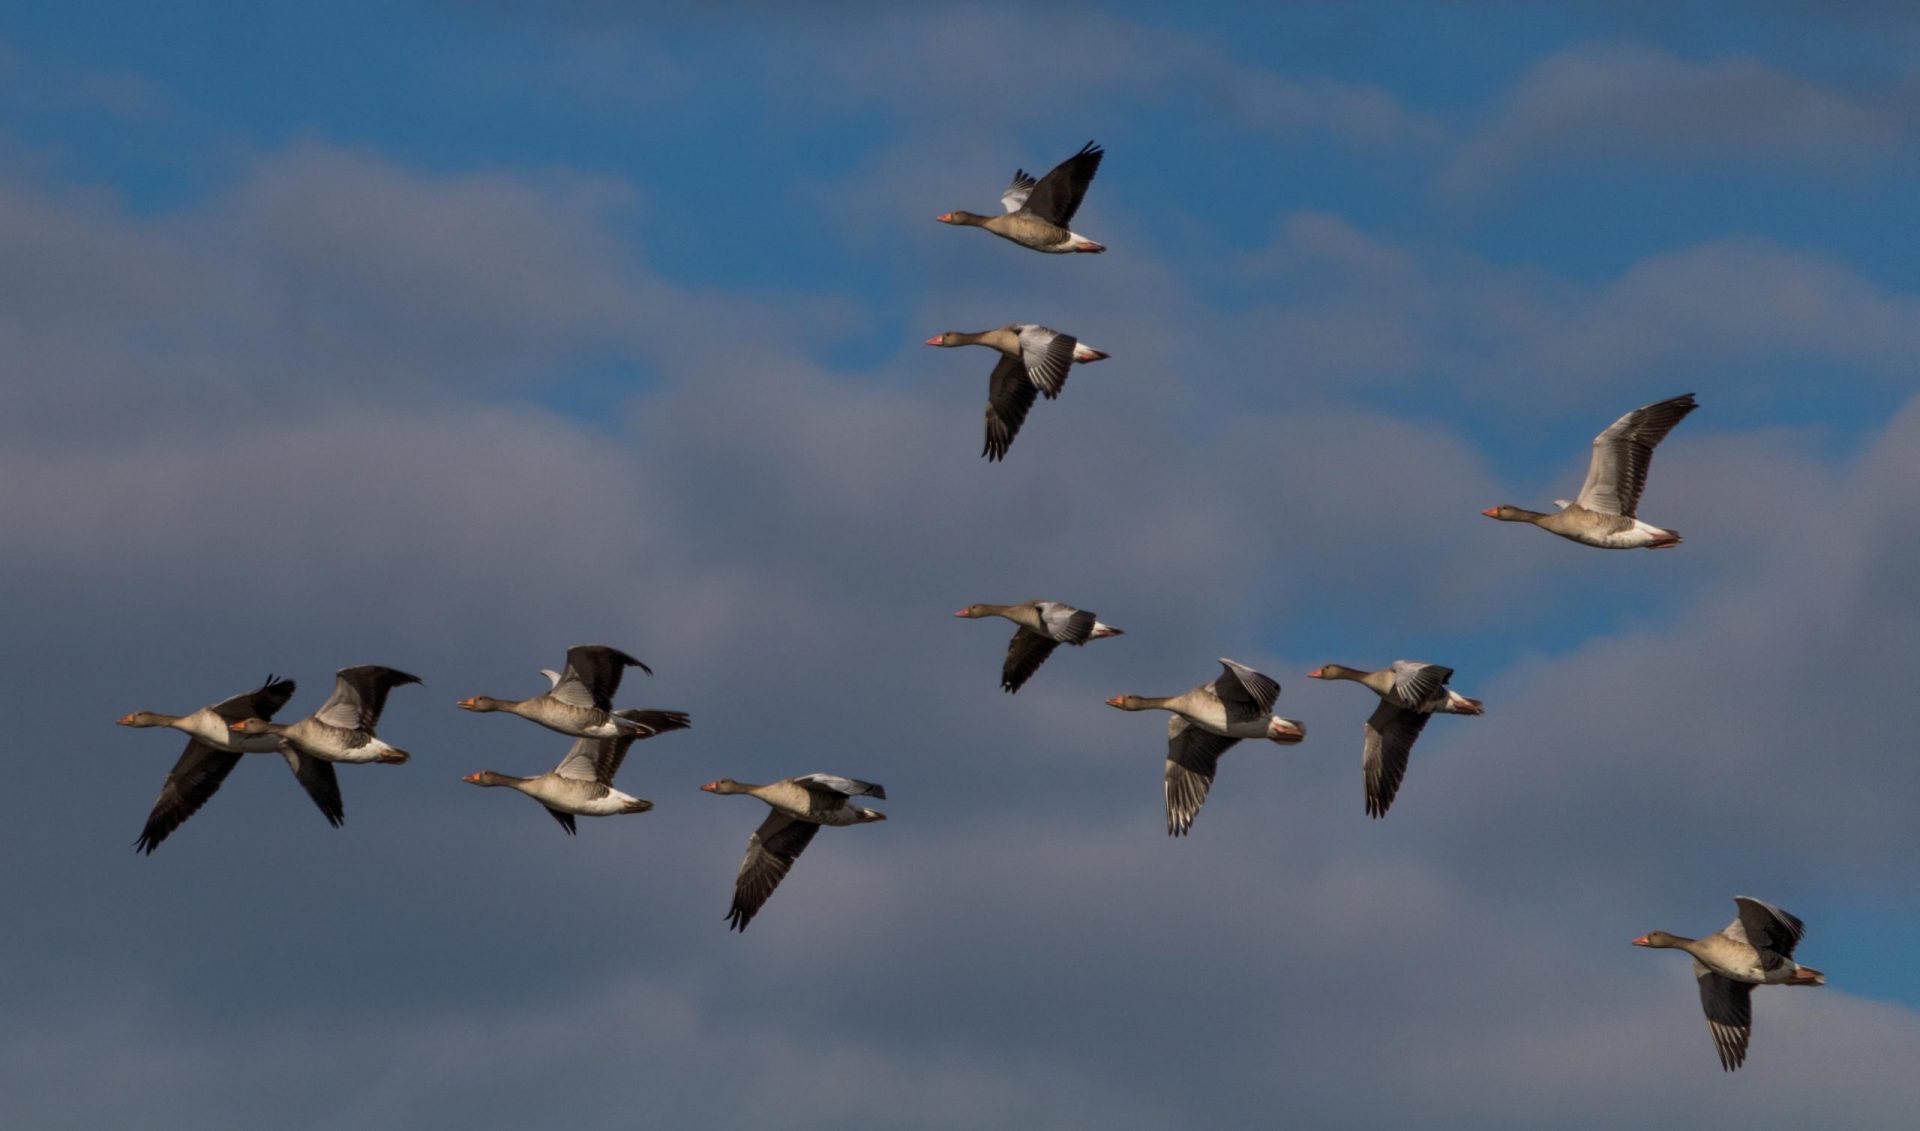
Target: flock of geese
1207,721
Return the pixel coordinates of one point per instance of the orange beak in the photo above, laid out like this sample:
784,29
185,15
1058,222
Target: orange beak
469,703
945,217
474,778
1317,673
1115,701
935,340
1642,941
239,726
1491,512
710,787
126,720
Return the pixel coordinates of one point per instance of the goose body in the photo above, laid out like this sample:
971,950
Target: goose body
579,702
1044,626
1209,720
582,784
800,806
1034,360
1756,949
342,730
1039,212
214,748
1410,693
1606,512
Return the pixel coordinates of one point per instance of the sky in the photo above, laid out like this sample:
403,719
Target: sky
445,336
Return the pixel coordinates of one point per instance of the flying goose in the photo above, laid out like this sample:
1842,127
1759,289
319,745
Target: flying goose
582,784
1038,212
800,806
1044,625
1208,721
342,730
580,701
1756,949
1604,513
1034,359
1410,692
214,748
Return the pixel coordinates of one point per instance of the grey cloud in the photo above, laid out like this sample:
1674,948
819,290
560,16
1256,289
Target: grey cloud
785,544
1638,101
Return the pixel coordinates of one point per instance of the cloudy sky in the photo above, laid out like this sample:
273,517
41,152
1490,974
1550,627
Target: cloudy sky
446,337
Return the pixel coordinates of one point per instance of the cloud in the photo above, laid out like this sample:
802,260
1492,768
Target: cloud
1635,101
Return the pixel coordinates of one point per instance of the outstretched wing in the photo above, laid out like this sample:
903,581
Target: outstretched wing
318,779
1193,756
260,703
359,695
1416,685
1025,653
1048,356
1390,732
1617,471
593,675
1729,1009
1009,395
846,787
1057,196
195,777
1246,693
771,851
1767,928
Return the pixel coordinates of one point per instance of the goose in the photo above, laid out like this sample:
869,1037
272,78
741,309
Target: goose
342,729
582,784
1038,212
579,702
1756,949
1605,512
1034,359
1044,626
800,806
214,748
1410,692
1208,721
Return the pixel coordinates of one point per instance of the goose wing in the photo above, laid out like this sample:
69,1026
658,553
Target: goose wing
359,695
1193,756
1729,1008
1009,395
1048,356
195,777
1056,197
1390,732
771,851
593,675
1245,693
1617,473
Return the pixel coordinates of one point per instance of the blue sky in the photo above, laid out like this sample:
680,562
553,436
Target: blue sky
450,335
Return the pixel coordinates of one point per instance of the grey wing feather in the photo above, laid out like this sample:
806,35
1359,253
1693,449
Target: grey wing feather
1729,1008
319,780
582,762
1193,757
1025,653
1048,356
771,851
195,777
1246,693
360,695
849,787
1390,732
593,674
1017,192
1617,470
1009,395
1416,685
1064,623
